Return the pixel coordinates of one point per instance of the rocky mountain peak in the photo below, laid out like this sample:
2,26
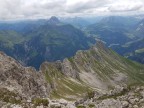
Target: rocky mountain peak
53,20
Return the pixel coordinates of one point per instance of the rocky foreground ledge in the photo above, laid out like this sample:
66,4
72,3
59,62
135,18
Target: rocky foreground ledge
120,97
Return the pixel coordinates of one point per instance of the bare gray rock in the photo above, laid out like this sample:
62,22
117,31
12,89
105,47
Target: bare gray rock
125,104
109,103
27,82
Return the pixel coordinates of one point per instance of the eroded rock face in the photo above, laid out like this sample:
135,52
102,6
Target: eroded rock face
68,70
26,81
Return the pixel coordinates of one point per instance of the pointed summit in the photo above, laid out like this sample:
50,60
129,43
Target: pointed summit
53,20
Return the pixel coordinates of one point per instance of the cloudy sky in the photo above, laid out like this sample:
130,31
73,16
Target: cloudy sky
19,9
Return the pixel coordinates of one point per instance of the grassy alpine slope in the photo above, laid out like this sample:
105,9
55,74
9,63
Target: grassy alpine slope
98,68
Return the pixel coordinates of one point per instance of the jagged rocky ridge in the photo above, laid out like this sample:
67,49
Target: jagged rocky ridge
98,69
25,81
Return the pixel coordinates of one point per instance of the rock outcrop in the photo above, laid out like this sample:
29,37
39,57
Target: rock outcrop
25,81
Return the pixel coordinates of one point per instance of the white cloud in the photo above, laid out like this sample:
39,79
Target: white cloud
127,5
17,9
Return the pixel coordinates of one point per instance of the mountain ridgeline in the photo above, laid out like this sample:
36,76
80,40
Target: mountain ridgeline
113,29
98,69
36,42
133,49
123,34
32,42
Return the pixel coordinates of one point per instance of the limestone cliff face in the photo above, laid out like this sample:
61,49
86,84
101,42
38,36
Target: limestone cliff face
25,81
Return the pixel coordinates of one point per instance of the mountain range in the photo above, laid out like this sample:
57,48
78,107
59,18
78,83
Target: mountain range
122,34
33,43
98,69
24,40
52,63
